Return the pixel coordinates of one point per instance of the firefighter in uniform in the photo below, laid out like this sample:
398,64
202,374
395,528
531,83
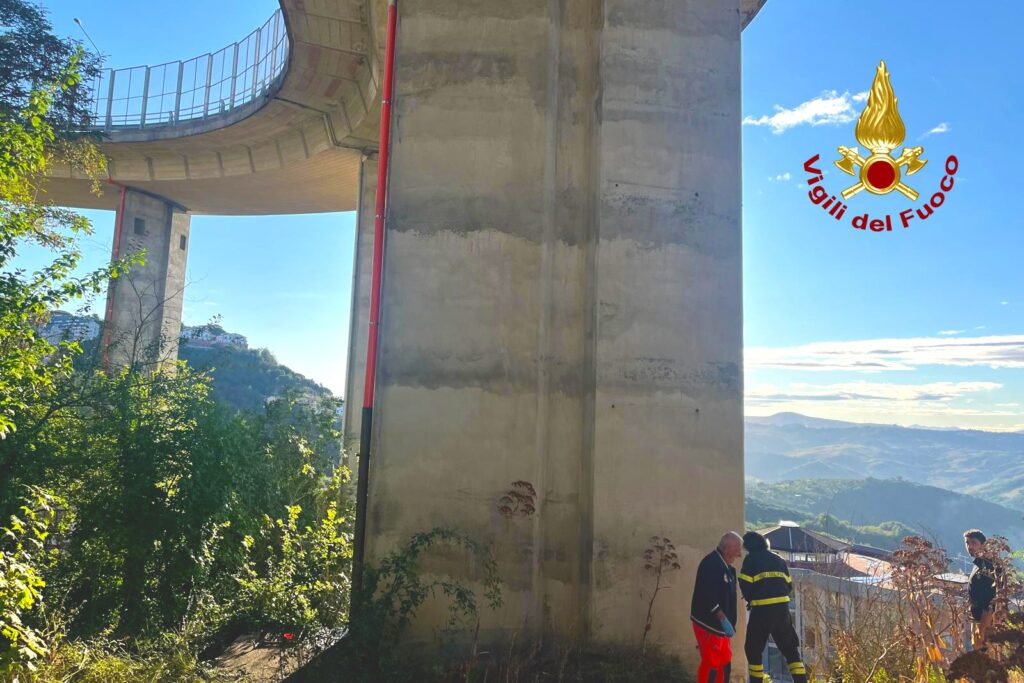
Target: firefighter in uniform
766,586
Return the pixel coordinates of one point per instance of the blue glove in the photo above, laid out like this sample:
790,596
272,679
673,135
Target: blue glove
728,628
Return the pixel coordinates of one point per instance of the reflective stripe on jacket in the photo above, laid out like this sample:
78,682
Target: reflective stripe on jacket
764,579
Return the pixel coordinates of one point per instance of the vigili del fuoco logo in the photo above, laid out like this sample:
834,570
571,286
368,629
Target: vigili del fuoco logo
880,129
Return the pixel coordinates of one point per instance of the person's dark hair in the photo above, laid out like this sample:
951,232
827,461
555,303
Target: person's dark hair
754,541
975,534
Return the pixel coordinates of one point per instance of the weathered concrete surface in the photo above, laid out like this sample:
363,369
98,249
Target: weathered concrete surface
355,376
146,316
562,300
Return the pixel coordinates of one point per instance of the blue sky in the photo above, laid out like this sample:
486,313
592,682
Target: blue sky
899,299
934,311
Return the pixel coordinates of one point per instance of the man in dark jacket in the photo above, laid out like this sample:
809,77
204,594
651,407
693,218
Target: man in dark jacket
982,587
713,610
766,586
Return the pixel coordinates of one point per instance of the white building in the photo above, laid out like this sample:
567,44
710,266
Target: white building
68,327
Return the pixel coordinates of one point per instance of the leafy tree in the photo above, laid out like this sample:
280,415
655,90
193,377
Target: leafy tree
164,484
32,58
21,545
29,365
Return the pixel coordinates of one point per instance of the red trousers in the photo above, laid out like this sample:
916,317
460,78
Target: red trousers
715,656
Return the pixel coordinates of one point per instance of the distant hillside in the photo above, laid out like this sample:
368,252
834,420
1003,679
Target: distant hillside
791,446
243,378
246,378
881,512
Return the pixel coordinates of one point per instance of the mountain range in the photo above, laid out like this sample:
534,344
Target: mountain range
880,512
788,446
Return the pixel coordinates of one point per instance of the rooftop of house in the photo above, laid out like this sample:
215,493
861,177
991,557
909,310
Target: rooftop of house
788,537
792,538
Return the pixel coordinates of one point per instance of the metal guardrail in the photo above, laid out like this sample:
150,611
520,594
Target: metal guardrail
198,88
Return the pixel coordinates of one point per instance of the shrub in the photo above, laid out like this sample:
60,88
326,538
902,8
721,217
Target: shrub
297,578
109,661
21,550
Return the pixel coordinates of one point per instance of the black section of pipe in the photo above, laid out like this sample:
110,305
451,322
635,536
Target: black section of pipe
362,490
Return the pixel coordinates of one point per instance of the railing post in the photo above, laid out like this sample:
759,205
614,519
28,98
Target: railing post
256,62
234,77
209,77
145,99
110,100
270,38
273,49
177,97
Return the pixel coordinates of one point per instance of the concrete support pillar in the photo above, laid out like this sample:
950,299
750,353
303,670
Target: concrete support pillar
562,303
144,322
361,272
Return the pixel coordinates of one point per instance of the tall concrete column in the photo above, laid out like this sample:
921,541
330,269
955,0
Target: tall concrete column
357,335
144,320
562,302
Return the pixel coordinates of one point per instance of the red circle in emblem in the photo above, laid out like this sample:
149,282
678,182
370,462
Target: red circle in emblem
881,174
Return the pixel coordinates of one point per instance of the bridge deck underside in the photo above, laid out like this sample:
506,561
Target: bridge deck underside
323,183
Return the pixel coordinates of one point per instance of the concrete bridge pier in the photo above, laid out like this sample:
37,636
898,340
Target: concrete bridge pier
360,313
143,315
562,303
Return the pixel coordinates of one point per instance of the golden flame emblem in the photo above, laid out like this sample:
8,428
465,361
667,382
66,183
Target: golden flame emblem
881,130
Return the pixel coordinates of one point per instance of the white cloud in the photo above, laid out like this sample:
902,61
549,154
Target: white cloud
941,128
782,177
868,391
1003,303
828,108
950,331
878,355
860,97
936,404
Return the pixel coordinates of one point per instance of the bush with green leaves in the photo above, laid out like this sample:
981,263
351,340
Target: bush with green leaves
22,547
29,365
103,660
295,576
193,477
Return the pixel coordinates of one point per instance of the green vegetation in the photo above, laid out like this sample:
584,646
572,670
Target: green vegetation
180,516
245,378
879,512
241,378
31,56
26,152
988,465
21,547
886,536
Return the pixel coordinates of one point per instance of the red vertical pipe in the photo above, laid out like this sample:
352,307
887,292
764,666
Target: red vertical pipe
366,427
108,316
382,195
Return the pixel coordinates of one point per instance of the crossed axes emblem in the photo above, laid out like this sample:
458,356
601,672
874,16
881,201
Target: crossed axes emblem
909,158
